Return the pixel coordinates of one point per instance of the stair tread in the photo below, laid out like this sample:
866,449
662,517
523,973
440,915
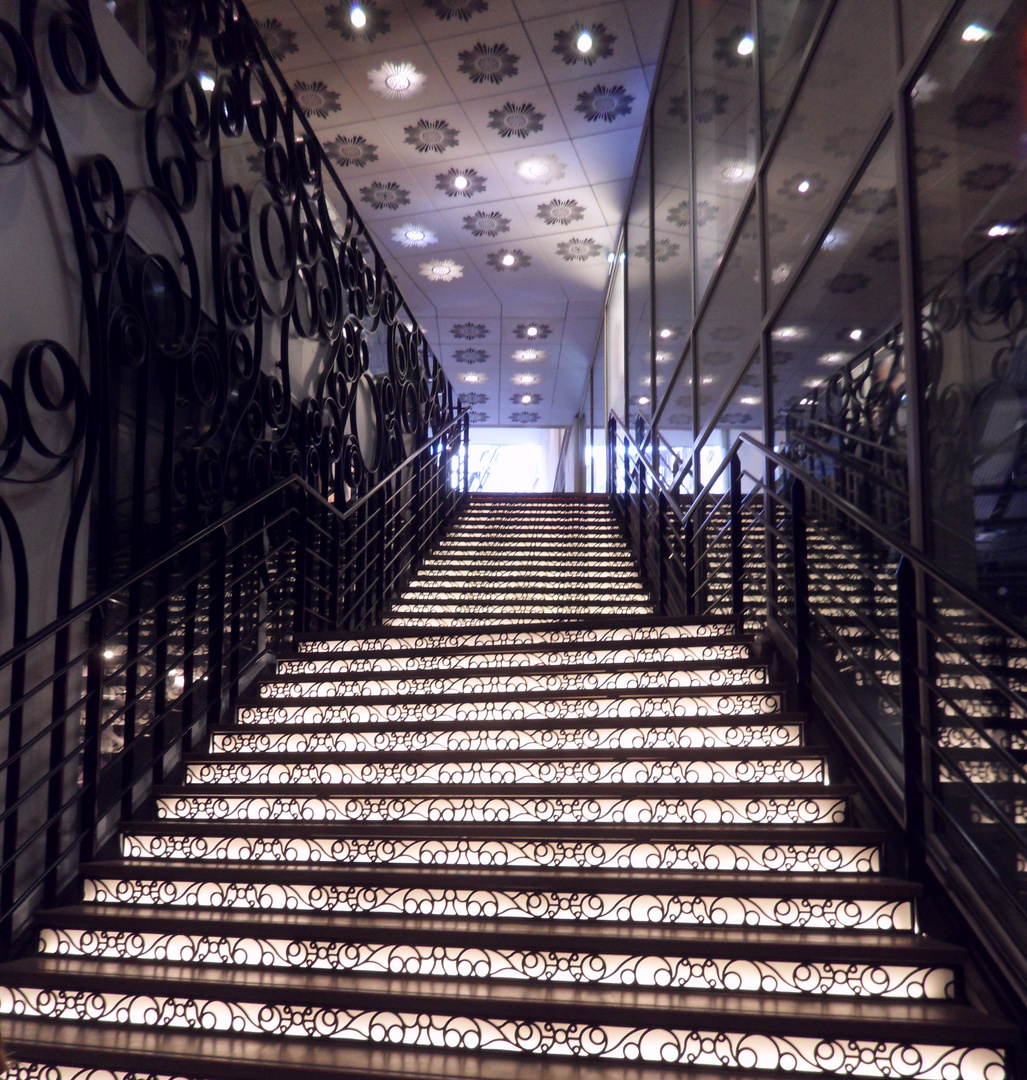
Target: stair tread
576,1003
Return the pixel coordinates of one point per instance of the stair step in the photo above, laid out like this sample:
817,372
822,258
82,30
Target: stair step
524,734
719,766
704,803
747,848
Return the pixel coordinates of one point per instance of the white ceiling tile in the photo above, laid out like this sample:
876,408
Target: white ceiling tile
512,120
610,156
592,105
290,40
325,97
555,43
496,61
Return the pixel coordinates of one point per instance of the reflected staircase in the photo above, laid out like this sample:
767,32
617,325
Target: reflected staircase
523,829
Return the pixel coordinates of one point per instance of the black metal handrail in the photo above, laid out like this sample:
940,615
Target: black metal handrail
104,702
918,675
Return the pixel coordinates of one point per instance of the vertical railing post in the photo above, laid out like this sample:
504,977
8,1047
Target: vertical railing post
465,438
305,534
690,568
611,456
12,796
912,732
803,652
92,728
662,550
737,567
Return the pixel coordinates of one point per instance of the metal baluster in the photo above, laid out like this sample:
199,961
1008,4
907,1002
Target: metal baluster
911,698
803,652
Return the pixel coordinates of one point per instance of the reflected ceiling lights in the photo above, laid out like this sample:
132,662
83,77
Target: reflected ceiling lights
749,400
441,270
414,236
541,169
357,17
746,45
974,33
788,333
738,171
471,378
584,42
856,335
643,400
206,82
396,80
832,358
802,187
529,356
1003,229
525,379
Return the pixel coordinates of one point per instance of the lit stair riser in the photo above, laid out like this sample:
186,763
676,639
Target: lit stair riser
617,969
550,853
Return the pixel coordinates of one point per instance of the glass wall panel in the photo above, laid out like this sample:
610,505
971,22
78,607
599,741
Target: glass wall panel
970,130
723,114
918,19
821,142
728,332
639,295
784,31
674,214
837,363
614,339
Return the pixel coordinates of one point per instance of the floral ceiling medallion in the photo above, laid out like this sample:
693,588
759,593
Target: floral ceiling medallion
280,41
560,211
414,236
508,259
486,223
665,249
442,270
728,49
456,182
541,169
600,45
525,417
385,196
456,9
487,63
604,103
353,150
477,416
469,331
531,332
472,397
396,81
525,399
530,356
431,136
705,212
518,121
315,99
470,356
576,250
377,21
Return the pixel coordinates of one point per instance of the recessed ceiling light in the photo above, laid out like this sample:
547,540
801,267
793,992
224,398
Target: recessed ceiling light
470,378
664,357
746,45
584,42
526,399
738,171
666,332
525,379
643,400
532,331
206,82
396,80
707,380
411,235
357,17
856,335
108,654
1002,229
460,182
509,259
749,400
974,33
441,270
832,358
529,356
803,187
788,333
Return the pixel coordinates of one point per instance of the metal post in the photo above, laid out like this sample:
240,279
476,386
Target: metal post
737,568
690,564
803,654
912,734
91,734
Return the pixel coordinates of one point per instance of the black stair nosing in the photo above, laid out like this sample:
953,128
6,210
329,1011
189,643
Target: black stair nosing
608,622
528,647
730,720
681,940
131,1053
799,835
788,884
922,1021
740,689
440,609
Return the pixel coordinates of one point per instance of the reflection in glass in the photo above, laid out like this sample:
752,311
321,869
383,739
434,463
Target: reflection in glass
785,30
821,143
728,330
722,113
837,361
969,128
639,314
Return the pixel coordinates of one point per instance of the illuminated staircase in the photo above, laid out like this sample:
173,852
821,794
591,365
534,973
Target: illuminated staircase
523,830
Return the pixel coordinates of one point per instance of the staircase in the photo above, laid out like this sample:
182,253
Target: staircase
525,829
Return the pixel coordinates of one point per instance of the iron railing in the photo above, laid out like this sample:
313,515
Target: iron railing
106,700
924,683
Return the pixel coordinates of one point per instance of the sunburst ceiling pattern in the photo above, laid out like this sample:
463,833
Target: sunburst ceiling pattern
489,147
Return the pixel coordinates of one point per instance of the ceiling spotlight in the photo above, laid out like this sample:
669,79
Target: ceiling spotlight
415,235
746,45
738,171
206,82
108,654
803,187
396,80
525,380
832,358
532,331
749,400
856,335
707,380
470,378
584,42
666,332
357,17
460,182
643,400
974,33
529,356
1002,229
509,259
664,357
526,399
788,333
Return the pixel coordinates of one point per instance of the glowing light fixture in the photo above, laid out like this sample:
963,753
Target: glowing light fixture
108,654
749,400
509,259
643,400
396,79
532,331
206,82
746,45
788,333
803,187
584,42
472,378
529,356
525,380
832,358
975,33
1003,229
526,399
856,335
357,17
738,171
666,332
460,182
